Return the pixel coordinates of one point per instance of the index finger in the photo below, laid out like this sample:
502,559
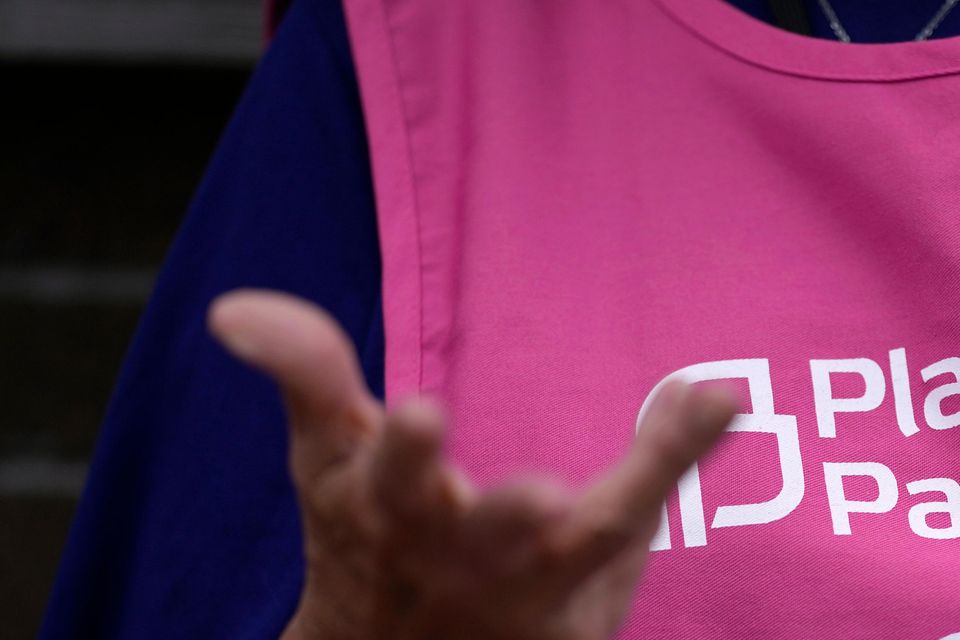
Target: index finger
623,506
313,361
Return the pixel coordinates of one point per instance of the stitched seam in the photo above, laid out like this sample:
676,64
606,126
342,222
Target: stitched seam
411,173
801,71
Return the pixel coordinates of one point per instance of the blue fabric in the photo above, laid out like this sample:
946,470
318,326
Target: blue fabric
188,527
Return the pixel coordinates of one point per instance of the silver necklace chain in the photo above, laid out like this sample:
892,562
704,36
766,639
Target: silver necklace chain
924,34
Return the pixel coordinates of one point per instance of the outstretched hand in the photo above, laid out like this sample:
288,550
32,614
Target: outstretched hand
399,545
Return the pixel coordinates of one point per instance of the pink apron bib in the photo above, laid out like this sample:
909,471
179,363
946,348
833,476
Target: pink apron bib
580,198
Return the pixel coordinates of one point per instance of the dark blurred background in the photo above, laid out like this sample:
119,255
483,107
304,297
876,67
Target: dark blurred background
109,110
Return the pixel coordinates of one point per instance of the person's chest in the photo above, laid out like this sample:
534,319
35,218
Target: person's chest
592,199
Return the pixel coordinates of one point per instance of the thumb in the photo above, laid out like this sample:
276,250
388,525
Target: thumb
311,358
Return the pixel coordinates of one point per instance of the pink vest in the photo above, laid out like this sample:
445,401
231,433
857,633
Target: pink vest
580,198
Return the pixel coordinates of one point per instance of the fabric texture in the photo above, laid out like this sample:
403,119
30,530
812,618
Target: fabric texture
577,200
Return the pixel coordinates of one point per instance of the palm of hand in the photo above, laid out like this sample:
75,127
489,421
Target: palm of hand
399,545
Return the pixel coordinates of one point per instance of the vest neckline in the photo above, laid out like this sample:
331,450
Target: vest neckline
756,42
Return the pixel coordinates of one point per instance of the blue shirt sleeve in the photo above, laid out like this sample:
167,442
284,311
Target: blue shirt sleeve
188,526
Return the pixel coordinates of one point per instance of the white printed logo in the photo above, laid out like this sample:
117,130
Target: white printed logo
765,420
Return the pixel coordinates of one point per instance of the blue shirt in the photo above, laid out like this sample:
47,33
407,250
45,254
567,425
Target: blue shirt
188,526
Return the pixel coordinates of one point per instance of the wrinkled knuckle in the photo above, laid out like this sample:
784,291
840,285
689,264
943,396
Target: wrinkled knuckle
325,511
553,551
613,534
304,476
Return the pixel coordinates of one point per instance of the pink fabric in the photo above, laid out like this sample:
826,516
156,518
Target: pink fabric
578,198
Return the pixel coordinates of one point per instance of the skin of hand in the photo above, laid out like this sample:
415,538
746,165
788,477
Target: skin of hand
400,546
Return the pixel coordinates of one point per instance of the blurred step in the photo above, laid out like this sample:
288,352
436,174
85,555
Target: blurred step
220,31
32,533
65,285
58,365
39,477
99,163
